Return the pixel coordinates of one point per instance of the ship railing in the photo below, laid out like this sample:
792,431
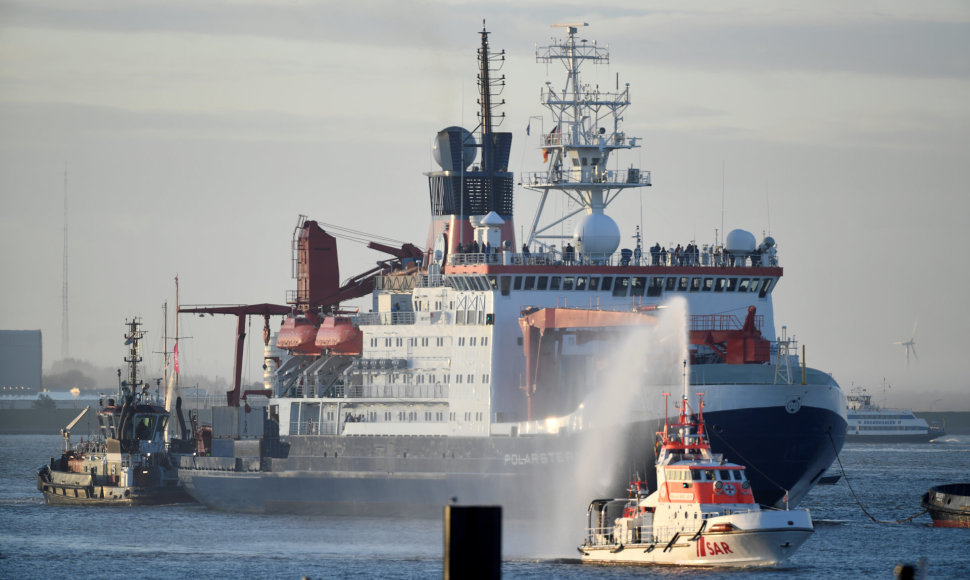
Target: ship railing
385,318
313,428
632,177
716,322
622,258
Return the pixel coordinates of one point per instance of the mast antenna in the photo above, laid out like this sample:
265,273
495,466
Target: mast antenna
65,327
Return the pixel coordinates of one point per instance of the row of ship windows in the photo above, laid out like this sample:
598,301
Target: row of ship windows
619,286
403,416
883,420
439,341
408,378
705,475
890,428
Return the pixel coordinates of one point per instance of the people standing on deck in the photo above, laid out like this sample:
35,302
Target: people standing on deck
475,248
525,252
663,256
568,253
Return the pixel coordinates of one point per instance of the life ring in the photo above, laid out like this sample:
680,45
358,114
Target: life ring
729,489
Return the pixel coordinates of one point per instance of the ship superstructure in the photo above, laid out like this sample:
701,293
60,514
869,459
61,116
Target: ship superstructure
481,361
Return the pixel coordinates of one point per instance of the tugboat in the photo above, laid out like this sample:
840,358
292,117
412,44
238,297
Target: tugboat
949,505
703,512
127,463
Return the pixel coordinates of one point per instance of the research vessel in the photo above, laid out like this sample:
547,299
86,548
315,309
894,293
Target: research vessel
492,370
129,461
702,512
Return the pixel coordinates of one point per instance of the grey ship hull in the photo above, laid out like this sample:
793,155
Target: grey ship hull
383,475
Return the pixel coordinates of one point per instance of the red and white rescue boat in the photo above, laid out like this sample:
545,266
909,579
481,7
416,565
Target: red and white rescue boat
703,512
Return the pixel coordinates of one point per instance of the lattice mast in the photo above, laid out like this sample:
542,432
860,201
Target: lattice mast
586,129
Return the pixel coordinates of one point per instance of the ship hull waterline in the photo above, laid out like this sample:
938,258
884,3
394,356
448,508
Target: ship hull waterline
382,475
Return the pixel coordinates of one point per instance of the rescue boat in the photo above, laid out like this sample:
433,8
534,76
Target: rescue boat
703,512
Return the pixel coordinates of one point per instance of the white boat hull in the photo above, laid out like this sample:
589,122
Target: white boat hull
764,538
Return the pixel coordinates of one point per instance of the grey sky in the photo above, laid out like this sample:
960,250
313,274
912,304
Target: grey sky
194,133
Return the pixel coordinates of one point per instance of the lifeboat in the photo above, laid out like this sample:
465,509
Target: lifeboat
340,336
298,335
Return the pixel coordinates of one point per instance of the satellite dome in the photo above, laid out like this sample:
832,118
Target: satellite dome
597,235
454,149
740,242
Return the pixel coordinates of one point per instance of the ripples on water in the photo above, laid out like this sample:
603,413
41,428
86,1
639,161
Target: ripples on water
189,541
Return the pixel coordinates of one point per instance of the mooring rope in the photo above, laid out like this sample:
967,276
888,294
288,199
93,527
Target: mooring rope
856,497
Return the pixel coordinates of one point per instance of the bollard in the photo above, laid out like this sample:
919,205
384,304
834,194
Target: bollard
473,542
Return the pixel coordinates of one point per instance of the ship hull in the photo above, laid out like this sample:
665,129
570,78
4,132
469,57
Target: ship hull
65,489
920,438
385,475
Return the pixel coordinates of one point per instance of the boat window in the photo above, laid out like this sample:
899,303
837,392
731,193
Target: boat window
568,282
695,474
554,282
619,289
656,286
530,283
458,282
743,286
708,284
682,286
695,284
719,285
594,283
542,282
493,282
671,284
708,475
144,427
580,282
506,283
732,284
607,283
766,287
638,285
518,283
754,284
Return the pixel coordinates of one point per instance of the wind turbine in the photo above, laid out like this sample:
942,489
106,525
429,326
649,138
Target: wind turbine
910,344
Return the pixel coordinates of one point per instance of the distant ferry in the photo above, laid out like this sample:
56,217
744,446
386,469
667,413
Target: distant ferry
871,424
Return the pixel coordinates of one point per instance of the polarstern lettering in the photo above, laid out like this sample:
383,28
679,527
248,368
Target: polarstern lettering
538,458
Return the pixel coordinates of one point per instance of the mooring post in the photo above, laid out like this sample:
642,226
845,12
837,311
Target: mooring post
473,542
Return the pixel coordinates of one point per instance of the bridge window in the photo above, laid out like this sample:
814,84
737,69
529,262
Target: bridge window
542,283
554,282
743,286
671,284
638,285
530,283
732,284
506,284
594,283
568,282
493,282
766,287
518,283
719,285
619,289
755,283
682,286
695,284
580,282
607,283
656,286
708,284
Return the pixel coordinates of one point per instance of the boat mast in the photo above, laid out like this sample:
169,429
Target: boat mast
585,131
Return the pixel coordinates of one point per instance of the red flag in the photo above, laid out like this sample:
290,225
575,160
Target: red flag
175,350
